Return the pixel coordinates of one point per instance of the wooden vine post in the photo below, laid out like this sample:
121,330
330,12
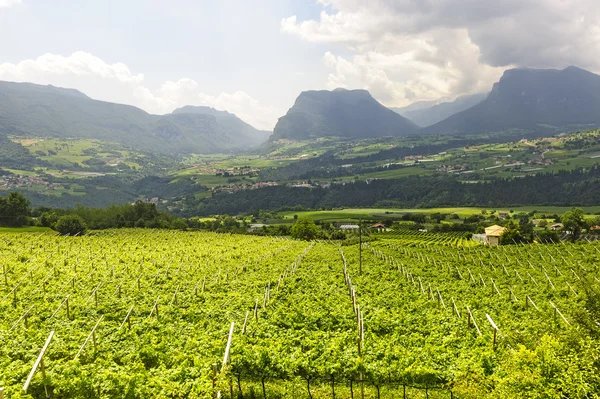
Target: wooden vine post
529,300
494,288
245,322
470,319
440,299
256,310
127,319
494,326
455,308
39,363
571,288
91,335
360,246
513,295
214,376
556,311
360,343
430,292
94,294
68,308
66,300
155,309
226,358
23,317
265,297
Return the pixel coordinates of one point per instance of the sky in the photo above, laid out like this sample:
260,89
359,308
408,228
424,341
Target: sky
253,58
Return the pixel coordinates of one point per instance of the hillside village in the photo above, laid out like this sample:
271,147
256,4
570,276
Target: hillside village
8,182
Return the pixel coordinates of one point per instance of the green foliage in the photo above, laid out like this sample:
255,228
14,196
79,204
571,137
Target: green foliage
179,224
573,221
513,236
74,115
14,210
412,192
15,156
304,229
48,219
525,225
139,214
547,237
547,371
307,328
70,225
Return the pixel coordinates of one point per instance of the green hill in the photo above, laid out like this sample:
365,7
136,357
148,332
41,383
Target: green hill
229,122
29,110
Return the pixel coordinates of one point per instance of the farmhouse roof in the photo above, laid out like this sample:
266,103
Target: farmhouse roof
494,231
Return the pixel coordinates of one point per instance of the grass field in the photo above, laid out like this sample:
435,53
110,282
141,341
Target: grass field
28,229
65,153
381,213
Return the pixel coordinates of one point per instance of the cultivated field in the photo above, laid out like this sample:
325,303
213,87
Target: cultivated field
348,214
148,314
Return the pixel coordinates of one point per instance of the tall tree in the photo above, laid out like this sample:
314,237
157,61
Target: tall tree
573,221
14,210
304,229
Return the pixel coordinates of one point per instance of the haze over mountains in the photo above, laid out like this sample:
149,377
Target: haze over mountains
29,110
230,123
427,113
532,100
535,101
538,101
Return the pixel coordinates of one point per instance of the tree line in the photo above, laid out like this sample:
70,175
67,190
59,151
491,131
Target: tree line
579,187
16,211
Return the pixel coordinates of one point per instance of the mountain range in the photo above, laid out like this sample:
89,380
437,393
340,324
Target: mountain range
529,100
30,110
416,106
537,100
427,113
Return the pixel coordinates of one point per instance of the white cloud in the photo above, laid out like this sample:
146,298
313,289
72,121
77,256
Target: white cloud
116,83
444,48
247,108
9,3
416,72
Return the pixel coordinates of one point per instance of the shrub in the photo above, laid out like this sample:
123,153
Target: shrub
179,224
548,237
304,229
71,225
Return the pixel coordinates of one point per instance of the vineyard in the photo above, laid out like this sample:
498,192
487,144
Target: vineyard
417,238
165,314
